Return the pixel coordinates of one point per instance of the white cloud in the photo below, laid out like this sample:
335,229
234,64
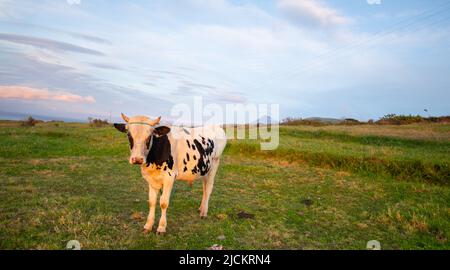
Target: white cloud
312,12
29,93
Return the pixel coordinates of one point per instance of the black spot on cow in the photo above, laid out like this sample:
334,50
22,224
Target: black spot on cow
210,147
130,139
161,131
160,152
165,168
187,156
185,169
203,163
211,143
195,158
193,147
147,142
189,145
170,162
184,162
195,170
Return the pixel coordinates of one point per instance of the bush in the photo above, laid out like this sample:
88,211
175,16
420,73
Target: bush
389,119
393,119
350,122
30,122
98,122
441,119
290,121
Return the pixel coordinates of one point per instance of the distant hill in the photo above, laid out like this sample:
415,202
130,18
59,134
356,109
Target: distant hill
82,118
325,120
20,116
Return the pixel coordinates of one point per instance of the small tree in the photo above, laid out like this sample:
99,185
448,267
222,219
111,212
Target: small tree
29,122
97,122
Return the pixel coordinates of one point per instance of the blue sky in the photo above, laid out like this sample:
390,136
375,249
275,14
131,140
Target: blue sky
80,58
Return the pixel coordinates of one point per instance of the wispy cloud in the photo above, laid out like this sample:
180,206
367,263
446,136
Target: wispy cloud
29,93
209,92
312,12
48,44
230,97
83,36
198,85
106,66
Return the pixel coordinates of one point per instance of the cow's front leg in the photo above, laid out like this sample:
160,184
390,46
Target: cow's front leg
152,196
164,203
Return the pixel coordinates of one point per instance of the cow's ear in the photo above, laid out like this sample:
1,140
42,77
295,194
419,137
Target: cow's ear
161,131
125,118
121,127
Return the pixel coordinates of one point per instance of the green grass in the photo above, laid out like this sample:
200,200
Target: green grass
71,181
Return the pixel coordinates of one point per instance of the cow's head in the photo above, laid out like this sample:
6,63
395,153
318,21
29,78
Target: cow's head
140,131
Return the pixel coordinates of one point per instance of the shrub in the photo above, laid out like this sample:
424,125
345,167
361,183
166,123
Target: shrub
97,122
350,122
30,122
441,119
291,121
393,119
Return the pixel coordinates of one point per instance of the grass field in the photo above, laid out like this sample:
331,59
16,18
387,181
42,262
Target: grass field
332,187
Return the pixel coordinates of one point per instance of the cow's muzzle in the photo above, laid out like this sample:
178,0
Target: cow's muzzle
136,160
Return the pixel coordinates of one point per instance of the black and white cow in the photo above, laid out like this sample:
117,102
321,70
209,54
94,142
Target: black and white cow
168,154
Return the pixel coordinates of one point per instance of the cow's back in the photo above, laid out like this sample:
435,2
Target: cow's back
195,150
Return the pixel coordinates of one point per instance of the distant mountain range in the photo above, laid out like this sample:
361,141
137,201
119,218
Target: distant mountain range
22,116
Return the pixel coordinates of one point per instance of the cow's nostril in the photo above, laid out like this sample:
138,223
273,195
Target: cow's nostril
137,160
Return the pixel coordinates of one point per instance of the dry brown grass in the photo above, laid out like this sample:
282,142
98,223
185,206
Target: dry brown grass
423,131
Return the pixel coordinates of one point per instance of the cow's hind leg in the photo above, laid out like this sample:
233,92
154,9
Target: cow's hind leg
164,203
152,196
208,184
203,195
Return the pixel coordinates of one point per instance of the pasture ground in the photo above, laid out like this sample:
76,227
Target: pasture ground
333,187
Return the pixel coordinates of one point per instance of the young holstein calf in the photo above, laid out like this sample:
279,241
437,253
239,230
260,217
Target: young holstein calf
168,154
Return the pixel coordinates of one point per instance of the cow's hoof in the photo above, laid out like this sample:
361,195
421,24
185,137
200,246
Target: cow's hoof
147,231
203,216
161,231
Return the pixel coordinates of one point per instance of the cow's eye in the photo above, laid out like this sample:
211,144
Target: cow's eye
130,138
147,141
